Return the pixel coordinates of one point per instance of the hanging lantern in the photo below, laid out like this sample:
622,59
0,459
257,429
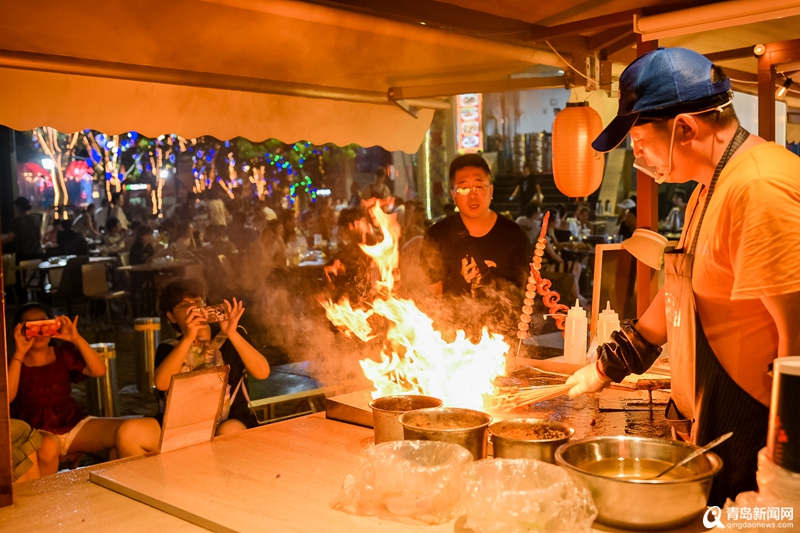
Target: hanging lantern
577,167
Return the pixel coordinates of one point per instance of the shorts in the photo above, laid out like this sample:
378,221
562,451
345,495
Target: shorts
65,439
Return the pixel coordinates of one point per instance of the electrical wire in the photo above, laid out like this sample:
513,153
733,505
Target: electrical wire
570,65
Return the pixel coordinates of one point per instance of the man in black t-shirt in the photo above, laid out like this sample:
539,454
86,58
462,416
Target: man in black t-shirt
475,250
195,348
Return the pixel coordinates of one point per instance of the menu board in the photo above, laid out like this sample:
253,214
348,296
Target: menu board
469,127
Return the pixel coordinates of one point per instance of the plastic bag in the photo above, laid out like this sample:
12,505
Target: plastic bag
777,487
406,480
525,495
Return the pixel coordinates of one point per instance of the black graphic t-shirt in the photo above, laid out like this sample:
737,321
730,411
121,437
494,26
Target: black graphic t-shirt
466,264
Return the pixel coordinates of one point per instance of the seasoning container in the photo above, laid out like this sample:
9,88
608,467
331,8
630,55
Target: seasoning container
783,441
607,323
575,333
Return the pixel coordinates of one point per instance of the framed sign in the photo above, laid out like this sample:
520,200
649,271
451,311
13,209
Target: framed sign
194,404
469,123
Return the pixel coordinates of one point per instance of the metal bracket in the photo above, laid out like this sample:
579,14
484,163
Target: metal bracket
405,106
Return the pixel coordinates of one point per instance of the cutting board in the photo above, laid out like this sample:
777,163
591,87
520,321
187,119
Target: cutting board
352,408
280,477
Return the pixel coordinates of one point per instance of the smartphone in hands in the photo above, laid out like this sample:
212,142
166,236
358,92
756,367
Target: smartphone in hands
42,328
214,313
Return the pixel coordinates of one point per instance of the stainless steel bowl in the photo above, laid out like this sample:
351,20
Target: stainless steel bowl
527,448
642,504
387,410
449,424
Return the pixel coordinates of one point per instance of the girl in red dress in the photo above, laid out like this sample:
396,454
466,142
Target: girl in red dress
40,377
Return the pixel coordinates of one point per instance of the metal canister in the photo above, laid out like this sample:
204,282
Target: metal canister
509,447
386,412
466,427
148,330
101,393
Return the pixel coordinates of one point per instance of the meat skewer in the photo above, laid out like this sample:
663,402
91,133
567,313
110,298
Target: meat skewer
538,284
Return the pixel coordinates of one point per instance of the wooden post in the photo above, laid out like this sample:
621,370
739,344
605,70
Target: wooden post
5,426
7,180
774,54
646,216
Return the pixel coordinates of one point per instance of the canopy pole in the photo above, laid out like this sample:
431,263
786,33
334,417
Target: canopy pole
206,80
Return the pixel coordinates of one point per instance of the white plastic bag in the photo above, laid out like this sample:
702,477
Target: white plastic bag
777,488
525,496
406,480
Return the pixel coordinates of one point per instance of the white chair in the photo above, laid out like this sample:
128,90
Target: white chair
95,287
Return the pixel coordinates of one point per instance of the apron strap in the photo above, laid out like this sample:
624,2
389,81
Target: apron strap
739,138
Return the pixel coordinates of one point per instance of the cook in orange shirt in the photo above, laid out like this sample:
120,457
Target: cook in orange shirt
732,296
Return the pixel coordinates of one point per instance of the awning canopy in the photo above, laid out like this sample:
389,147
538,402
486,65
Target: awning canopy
253,68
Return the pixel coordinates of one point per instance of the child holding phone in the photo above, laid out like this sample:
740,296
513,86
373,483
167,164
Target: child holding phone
199,346
40,376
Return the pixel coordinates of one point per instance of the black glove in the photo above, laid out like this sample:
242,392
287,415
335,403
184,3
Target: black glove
627,353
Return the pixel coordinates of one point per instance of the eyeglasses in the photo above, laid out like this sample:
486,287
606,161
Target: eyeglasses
477,188
197,302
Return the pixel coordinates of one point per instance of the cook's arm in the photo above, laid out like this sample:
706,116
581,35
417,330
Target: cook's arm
785,309
637,345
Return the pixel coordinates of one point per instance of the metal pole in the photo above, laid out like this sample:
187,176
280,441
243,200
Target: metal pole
101,393
148,330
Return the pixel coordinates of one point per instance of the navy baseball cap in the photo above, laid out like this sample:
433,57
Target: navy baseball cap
663,83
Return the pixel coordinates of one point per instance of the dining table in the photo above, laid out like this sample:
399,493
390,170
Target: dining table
36,277
143,280
157,265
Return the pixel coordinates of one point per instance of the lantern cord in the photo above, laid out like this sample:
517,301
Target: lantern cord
570,64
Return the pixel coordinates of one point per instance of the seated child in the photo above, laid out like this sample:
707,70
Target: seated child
40,377
200,346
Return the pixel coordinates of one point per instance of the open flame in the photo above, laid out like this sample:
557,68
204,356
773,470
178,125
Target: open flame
415,358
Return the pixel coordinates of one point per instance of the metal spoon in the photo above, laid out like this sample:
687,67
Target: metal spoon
697,453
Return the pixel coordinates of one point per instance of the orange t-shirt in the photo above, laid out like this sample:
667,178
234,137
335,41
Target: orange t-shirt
748,248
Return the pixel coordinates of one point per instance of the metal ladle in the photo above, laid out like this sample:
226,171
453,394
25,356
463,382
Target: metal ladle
697,453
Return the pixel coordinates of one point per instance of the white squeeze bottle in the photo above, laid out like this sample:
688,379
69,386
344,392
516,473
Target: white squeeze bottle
607,323
575,333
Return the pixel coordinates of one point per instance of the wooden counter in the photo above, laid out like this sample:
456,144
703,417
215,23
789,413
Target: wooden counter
69,502
277,478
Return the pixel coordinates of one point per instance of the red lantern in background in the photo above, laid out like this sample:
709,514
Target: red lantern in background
577,167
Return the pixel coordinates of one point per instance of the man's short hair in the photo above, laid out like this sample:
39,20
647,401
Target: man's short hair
175,292
532,208
22,204
380,172
469,160
111,223
680,194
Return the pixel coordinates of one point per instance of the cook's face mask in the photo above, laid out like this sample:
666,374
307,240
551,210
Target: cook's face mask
640,163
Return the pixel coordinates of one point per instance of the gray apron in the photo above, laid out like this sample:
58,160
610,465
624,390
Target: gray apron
706,402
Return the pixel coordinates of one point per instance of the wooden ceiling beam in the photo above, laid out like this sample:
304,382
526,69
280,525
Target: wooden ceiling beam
574,44
728,55
629,41
606,38
614,20
740,74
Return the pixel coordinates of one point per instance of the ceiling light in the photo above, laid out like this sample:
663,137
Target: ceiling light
783,89
759,49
